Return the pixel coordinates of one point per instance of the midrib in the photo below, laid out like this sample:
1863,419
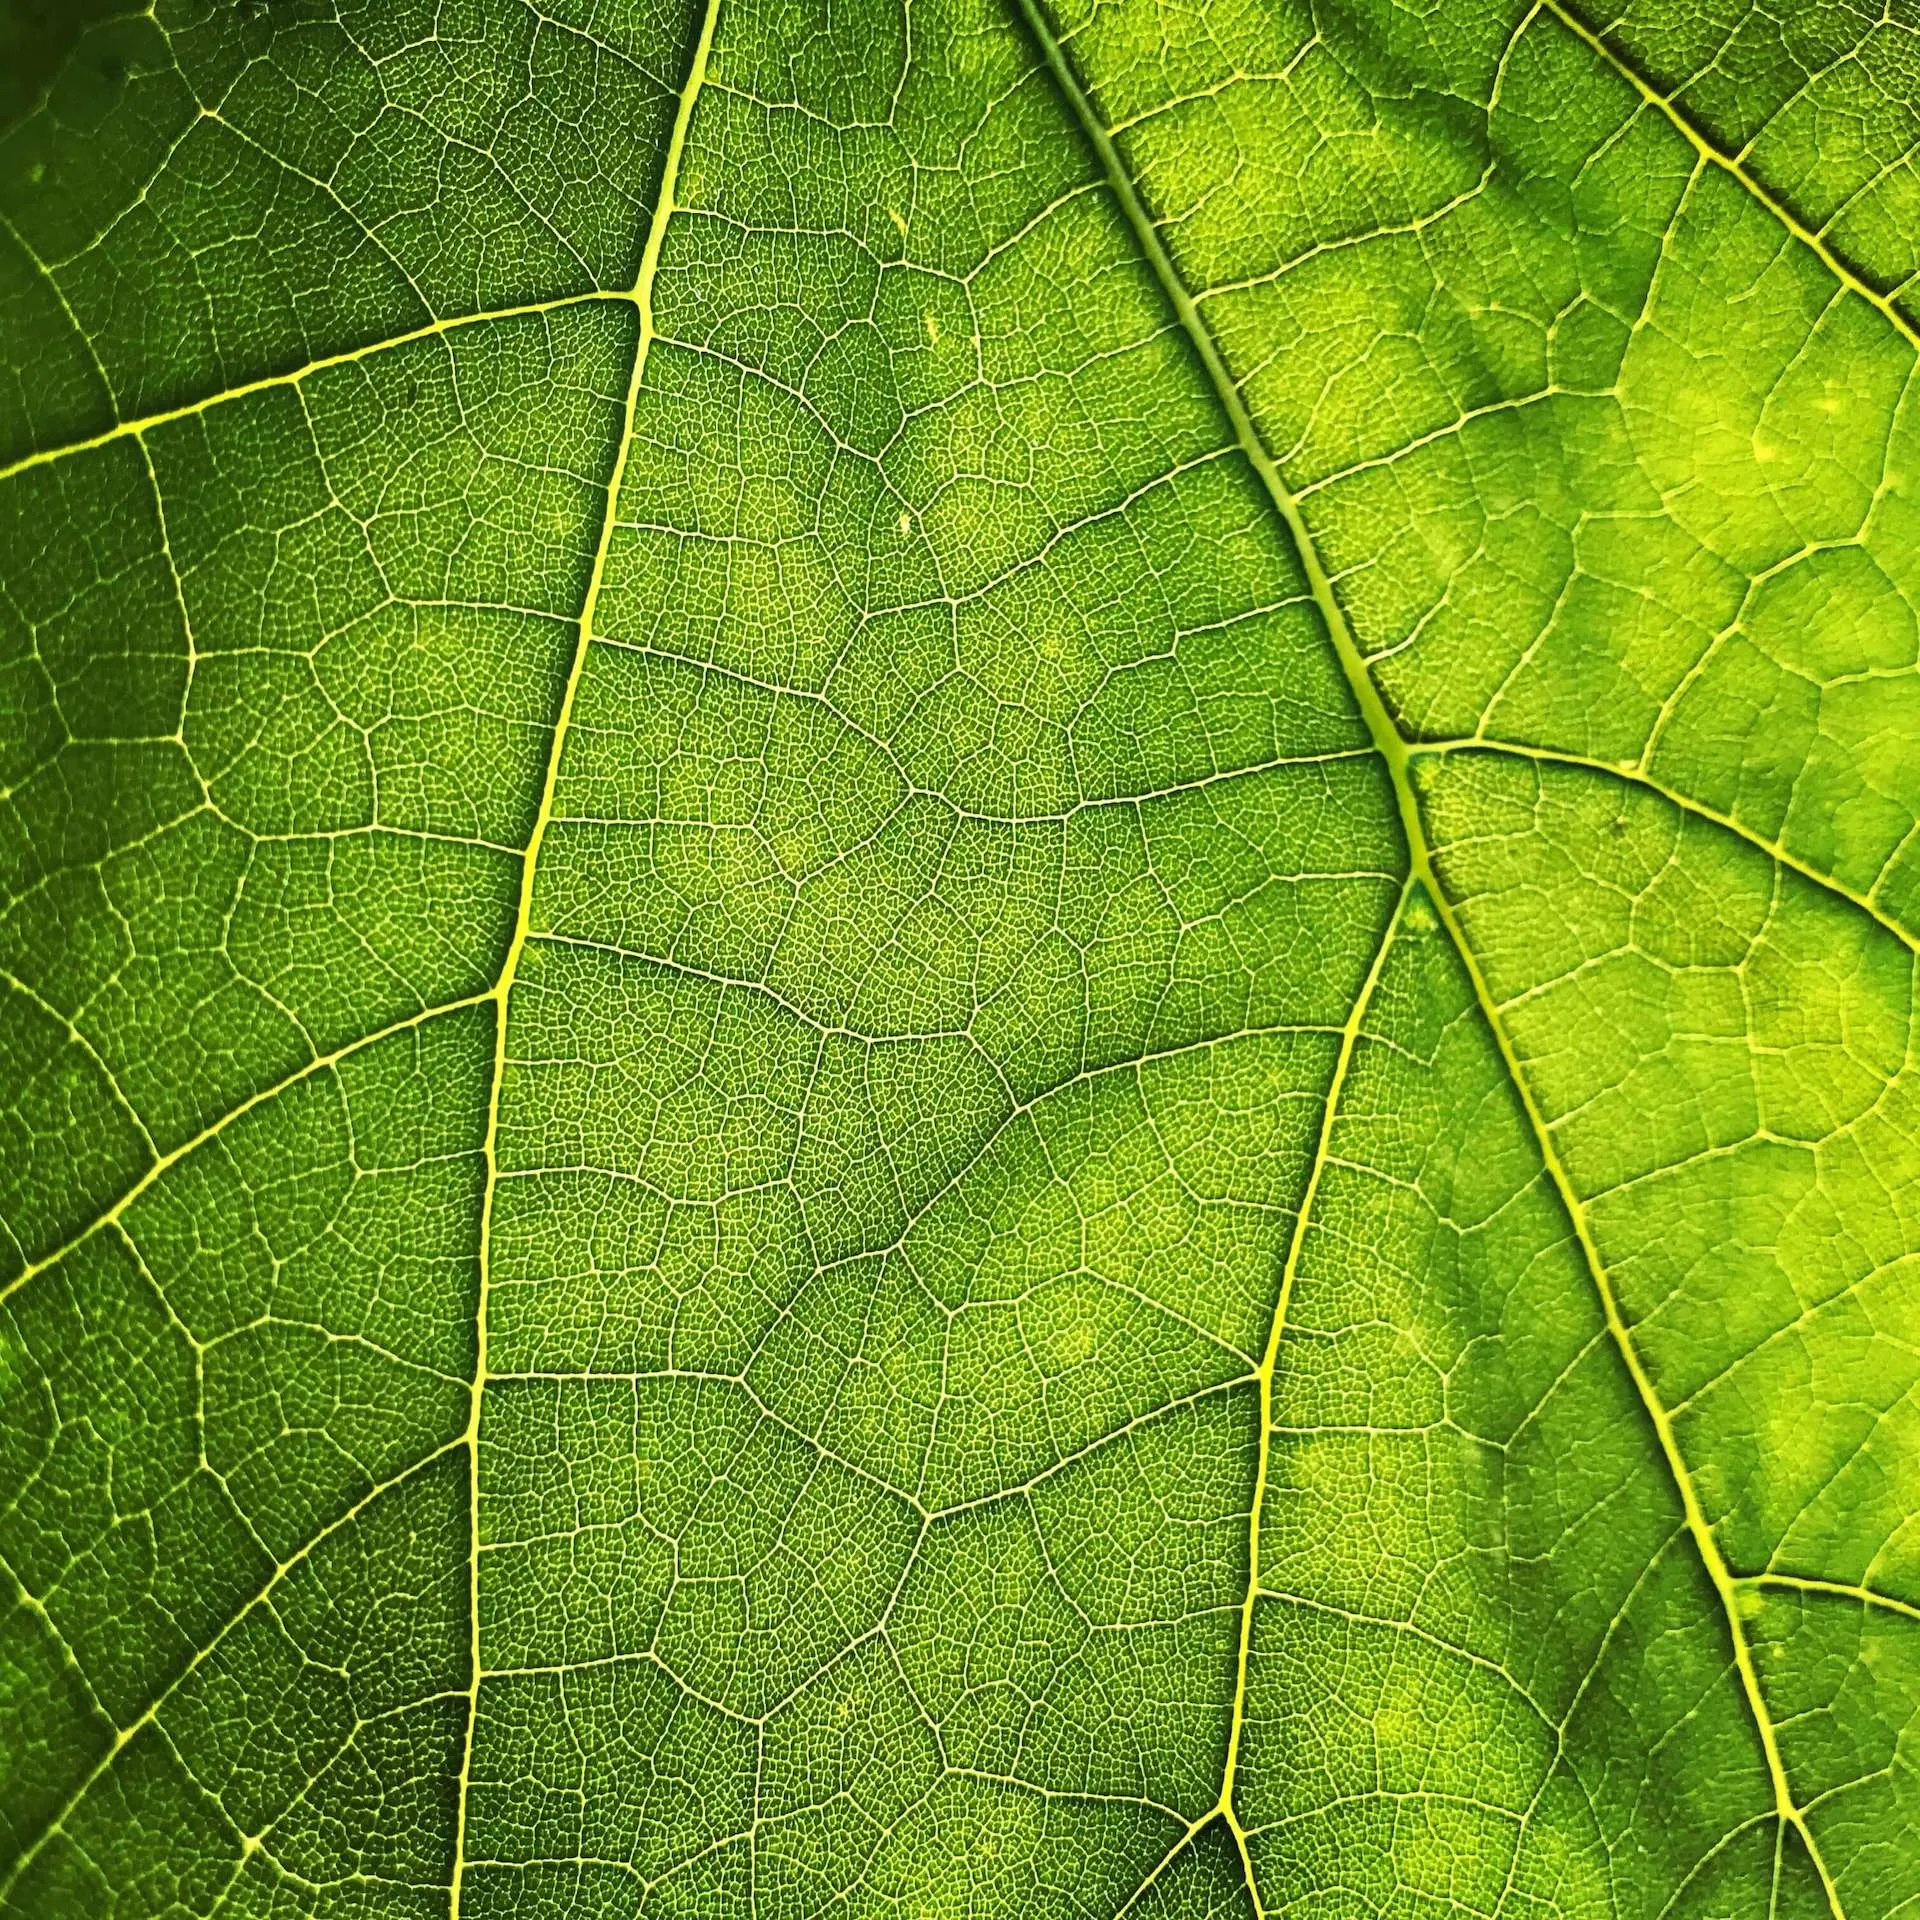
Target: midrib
1397,753
641,295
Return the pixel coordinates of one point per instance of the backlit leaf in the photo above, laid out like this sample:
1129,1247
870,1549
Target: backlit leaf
960,960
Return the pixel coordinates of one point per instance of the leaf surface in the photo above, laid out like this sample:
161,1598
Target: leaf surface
960,962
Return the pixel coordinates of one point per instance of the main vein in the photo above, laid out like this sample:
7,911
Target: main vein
1398,753
523,919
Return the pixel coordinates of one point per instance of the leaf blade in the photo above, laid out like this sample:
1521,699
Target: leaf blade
952,988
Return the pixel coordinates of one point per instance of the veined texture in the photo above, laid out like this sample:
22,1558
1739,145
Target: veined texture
958,959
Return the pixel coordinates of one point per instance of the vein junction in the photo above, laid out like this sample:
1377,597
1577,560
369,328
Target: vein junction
523,919
972,954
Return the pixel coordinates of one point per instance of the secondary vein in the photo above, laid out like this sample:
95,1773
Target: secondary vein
642,296
307,1070
123,1736
1733,167
1633,774
1269,1362
137,426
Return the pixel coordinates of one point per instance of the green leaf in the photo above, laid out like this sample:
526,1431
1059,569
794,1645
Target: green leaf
960,961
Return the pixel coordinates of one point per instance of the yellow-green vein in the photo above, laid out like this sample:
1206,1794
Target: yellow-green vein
1732,166
1269,1362
1398,753
1631,774
137,426
642,295
214,1128
124,1736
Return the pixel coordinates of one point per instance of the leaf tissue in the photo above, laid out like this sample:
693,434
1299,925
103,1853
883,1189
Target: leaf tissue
958,958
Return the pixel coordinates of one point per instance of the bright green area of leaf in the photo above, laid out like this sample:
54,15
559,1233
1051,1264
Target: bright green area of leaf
961,962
